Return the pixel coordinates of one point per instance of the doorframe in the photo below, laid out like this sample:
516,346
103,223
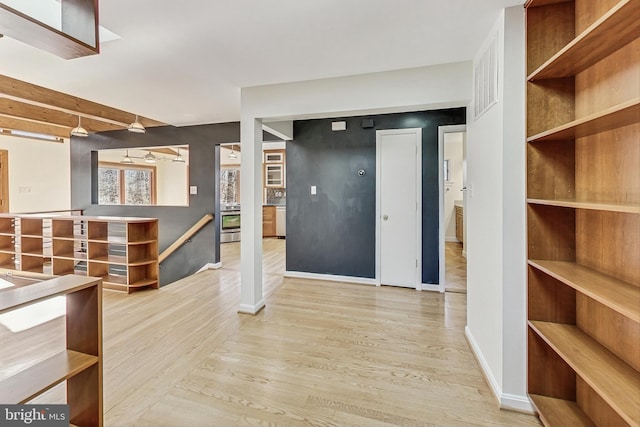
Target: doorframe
418,133
442,130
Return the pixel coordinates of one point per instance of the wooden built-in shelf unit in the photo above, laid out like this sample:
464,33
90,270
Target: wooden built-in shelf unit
80,364
583,214
122,251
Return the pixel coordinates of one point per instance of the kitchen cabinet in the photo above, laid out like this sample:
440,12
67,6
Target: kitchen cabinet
274,169
268,221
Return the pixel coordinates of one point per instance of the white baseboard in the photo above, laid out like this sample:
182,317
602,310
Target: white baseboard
430,287
513,402
210,266
451,239
464,253
251,309
506,401
330,277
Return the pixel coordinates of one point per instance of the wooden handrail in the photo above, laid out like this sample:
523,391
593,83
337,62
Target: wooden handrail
186,236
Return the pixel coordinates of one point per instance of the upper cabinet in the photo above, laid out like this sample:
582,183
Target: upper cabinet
583,185
274,168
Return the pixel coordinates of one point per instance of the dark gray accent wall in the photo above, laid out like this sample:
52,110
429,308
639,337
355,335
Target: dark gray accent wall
204,172
333,232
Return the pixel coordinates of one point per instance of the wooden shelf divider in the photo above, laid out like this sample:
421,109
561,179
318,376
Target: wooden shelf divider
620,115
619,296
614,381
609,207
617,28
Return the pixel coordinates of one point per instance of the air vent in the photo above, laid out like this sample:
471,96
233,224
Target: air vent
485,78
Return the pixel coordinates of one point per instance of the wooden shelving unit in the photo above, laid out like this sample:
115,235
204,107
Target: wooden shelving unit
583,214
122,251
80,365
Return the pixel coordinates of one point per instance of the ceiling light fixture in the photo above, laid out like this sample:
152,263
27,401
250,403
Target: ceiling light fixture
136,127
149,158
233,155
126,159
79,130
178,158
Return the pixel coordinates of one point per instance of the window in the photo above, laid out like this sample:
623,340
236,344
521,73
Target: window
126,184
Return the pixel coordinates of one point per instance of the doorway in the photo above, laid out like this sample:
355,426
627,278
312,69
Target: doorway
4,181
398,207
452,189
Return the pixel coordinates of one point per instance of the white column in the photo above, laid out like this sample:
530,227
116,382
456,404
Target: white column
251,299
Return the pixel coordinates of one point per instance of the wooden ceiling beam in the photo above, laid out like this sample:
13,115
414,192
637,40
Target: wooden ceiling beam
24,92
35,113
13,123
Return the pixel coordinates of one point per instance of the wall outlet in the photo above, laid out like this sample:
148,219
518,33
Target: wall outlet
313,189
193,189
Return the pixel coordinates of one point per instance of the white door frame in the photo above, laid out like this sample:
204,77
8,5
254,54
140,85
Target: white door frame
418,133
441,227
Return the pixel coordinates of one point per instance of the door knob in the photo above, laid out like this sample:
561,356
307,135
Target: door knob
385,217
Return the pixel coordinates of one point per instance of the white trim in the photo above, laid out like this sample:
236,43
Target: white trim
511,402
210,266
330,277
418,253
430,287
441,228
484,366
464,253
449,239
251,309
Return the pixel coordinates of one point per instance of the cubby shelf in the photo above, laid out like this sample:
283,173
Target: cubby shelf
560,412
619,296
123,251
80,365
609,207
623,114
617,28
614,381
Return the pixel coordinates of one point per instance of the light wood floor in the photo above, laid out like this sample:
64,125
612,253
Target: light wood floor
319,354
456,268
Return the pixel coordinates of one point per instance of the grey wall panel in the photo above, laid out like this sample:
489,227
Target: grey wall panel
333,232
173,221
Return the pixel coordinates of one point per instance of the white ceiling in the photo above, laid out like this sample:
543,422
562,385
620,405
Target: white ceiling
184,62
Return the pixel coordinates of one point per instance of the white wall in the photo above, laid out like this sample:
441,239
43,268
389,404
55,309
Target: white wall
496,253
453,144
39,177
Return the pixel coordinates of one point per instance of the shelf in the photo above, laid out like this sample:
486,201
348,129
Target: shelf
614,30
560,412
111,239
143,283
26,385
612,379
620,115
110,259
142,242
42,290
619,296
76,237
114,279
141,262
610,207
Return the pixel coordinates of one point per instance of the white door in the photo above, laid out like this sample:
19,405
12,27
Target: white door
399,206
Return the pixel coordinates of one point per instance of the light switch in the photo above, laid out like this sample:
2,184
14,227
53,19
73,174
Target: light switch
193,189
313,189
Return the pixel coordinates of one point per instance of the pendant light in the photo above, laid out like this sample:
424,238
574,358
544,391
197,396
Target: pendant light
79,130
136,127
126,159
149,158
178,158
233,155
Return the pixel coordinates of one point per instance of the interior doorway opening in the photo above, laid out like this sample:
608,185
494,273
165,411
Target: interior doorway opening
452,189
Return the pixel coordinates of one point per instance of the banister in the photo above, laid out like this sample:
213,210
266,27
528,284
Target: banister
186,236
